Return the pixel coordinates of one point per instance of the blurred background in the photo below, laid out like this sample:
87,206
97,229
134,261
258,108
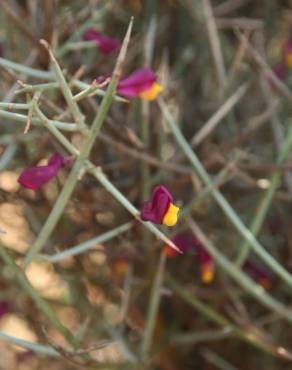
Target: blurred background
225,67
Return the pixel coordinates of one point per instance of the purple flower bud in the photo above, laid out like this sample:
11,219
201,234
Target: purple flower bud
106,44
160,209
35,177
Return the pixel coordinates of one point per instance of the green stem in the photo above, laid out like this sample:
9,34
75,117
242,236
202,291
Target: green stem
36,121
7,155
78,45
38,87
153,307
201,336
79,165
73,106
70,184
26,70
54,131
217,182
222,202
218,361
89,244
213,316
36,347
240,277
40,302
266,201
11,106
98,174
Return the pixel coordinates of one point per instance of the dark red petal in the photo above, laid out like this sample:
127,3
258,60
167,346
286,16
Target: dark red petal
105,43
139,81
35,177
155,209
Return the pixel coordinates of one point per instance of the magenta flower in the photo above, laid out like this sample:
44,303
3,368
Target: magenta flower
186,243
140,83
106,44
260,274
35,177
160,209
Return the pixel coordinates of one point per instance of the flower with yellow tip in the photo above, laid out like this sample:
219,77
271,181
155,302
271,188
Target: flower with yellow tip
160,209
259,273
186,243
141,83
287,53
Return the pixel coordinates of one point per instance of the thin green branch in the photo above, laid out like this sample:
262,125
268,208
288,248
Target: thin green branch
25,70
79,165
240,277
36,121
36,347
99,175
153,307
40,302
11,106
266,200
207,311
201,336
73,106
217,360
89,244
219,198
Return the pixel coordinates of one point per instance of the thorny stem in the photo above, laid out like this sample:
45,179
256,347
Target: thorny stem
98,174
73,106
47,76
79,164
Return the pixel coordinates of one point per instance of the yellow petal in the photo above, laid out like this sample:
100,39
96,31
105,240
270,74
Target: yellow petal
265,283
207,276
288,60
151,93
170,217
